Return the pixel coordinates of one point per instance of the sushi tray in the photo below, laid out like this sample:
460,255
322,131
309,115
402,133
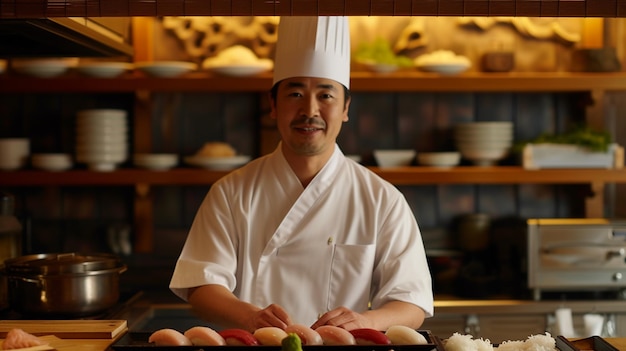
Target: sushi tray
138,341
594,343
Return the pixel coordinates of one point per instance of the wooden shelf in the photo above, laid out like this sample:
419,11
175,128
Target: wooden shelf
408,81
116,8
398,176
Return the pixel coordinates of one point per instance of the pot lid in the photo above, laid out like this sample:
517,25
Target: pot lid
61,263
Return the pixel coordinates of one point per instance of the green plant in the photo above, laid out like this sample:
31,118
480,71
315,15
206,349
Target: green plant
584,136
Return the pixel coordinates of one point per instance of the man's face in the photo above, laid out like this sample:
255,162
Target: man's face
309,113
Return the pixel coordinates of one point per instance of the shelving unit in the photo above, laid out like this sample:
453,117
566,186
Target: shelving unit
400,81
418,175
408,81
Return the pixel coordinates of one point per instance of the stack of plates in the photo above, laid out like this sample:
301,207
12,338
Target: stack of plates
101,138
484,143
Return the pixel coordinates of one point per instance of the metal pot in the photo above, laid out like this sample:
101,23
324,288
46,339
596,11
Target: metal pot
66,284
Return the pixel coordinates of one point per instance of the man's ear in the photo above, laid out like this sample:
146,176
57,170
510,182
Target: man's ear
346,109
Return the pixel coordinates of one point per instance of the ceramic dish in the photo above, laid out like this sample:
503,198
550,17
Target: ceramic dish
439,159
52,162
166,69
240,70
104,69
155,162
394,158
41,68
217,163
444,68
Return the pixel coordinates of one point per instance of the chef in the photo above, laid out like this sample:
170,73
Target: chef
305,235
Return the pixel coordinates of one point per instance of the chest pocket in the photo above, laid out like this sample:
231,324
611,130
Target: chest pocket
350,276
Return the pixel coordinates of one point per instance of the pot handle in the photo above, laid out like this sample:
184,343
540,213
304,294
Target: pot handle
24,279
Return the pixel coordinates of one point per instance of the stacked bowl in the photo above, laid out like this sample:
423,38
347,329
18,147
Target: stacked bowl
484,143
101,138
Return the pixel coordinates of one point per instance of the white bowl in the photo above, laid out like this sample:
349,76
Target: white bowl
94,115
483,144
155,162
101,157
115,148
86,139
166,68
217,163
481,135
439,159
42,68
484,157
100,166
485,125
101,130
394,158
445,68
104,69
52,162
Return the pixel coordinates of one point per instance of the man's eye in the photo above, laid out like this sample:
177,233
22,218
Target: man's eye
295,94
327,96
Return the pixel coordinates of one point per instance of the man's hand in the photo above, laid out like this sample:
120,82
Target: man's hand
344,318
271,316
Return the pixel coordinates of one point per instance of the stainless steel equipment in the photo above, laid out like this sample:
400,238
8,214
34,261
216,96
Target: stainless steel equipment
576,255
66,284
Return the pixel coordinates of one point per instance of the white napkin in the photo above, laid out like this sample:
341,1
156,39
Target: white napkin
564,323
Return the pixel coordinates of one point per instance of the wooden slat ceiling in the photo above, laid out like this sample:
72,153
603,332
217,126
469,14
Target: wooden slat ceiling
123,8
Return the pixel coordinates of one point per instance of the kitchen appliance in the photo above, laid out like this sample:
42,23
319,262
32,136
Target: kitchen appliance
575,255
66,284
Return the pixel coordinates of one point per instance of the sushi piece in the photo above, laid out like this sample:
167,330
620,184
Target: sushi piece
368,336
307,335
333,335
403,335
204,336
169,337
272,336
19,339
238,337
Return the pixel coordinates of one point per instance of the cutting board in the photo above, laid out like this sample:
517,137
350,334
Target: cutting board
67,329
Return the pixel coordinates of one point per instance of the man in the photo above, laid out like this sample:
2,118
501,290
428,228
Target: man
306,235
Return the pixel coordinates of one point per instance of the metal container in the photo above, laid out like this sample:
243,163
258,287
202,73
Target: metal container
66,284
10,240
583,254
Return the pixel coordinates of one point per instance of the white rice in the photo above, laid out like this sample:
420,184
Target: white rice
460,342
539,342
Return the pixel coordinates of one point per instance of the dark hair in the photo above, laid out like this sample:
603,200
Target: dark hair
274,92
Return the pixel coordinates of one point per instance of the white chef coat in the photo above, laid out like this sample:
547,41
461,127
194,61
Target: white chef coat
348,239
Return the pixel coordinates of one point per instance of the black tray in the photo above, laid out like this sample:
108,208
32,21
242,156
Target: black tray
594,343
134,341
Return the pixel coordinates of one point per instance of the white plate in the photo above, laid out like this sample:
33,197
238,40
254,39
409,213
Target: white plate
444,68
239,70
155,162
104,69
41,68
217,163
166,68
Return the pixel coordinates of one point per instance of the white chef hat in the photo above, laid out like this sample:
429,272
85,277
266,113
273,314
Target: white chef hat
313,47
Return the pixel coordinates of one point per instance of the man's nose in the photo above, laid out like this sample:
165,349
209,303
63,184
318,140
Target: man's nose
310,107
